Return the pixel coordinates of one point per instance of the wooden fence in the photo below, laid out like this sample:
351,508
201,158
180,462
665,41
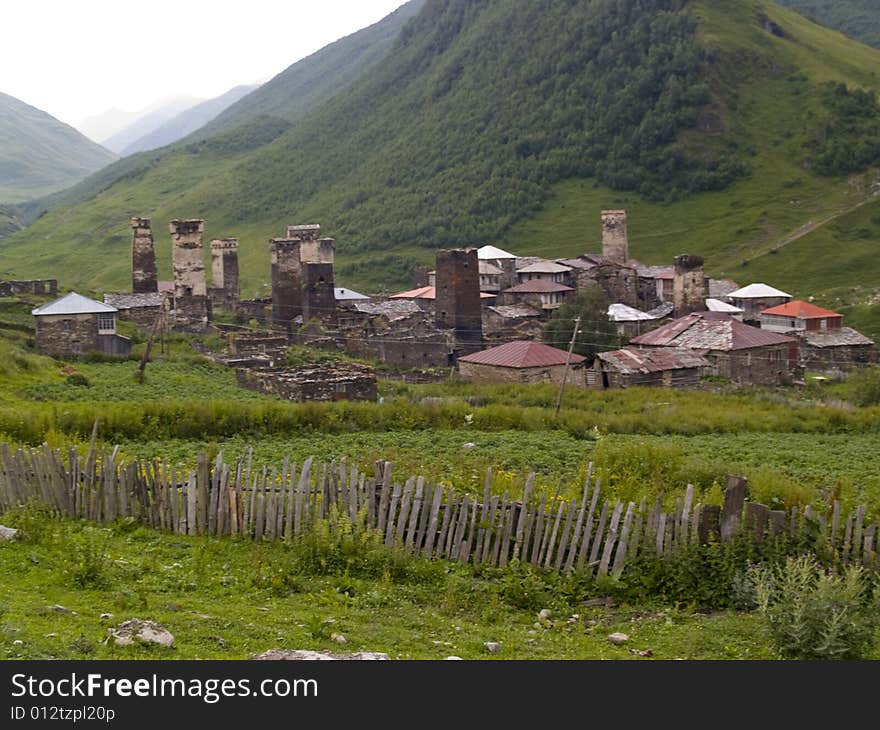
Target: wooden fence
589,533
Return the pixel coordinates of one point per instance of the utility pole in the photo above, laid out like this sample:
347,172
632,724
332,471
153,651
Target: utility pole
577,327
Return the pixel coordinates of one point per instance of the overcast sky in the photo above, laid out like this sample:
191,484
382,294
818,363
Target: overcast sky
77,58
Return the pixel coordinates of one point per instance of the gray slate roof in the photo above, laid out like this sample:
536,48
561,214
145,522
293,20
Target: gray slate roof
845,336
134,301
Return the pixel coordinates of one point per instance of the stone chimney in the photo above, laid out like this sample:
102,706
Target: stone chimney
615,245
190,284
143,258
458,306
690,285
224,273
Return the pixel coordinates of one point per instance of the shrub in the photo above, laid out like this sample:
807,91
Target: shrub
814,614
865,385
78,380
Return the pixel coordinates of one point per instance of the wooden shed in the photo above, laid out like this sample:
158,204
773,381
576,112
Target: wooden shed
671,367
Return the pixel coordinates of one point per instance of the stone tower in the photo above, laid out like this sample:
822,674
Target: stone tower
690,286
458,294
318,286
143,258
615,245
308,232
224,273
190,286
286,281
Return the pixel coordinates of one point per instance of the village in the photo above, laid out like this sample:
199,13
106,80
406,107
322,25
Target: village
480,312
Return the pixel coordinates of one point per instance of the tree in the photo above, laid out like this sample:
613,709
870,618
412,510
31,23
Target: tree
597,333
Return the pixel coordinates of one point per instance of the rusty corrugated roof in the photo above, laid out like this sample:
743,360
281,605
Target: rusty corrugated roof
522,354
710,331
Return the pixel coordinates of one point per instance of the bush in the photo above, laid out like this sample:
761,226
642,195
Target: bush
865,385
814,614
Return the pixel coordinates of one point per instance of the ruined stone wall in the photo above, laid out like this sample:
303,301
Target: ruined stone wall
144,278
620,283
457,306
224,274
690,287
615,244
143,317
834,360
66,335
769,365
190,285
33,286
286,281
324,382
257,309
307,232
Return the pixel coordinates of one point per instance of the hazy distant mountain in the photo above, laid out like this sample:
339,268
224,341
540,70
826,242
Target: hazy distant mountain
148,121
186,122
40,154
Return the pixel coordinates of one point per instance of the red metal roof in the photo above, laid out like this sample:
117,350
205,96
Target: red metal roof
522,354
538,286
710,331
801,310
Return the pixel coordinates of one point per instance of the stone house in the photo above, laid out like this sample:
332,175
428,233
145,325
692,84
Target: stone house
520,361
539,293
503,323
631,322
314,382
800,316
737,351
142,309
671,367
75,325
755,298
545,271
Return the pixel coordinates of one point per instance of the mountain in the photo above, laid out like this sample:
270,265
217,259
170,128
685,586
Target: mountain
859,19
146,122
101,126
186,122
39,154
740,131
9,222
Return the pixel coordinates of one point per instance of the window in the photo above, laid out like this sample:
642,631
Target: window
67,325
106,324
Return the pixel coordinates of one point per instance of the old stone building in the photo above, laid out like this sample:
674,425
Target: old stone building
457,306
40,287
501,260
540,294
503,323
671,367
741,353
519,362
147,311
286,281
615,240
190,284
75,325
690,285
315,382
754,299
224,291
144,277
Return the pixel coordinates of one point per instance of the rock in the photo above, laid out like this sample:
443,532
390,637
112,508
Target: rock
105,616
172,607
219,640
469,446
545,614
453,659
338,638
306,655
493,647
49,636
617,638
17,642
532,632
59,609
641,652
135,630
8,533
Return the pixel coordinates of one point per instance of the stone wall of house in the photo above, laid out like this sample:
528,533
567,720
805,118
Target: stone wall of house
143,317
319,382
143,258
66,335
258,309
32,286
690,287
619,282
768,365
479,373
318,295
224,293
838,359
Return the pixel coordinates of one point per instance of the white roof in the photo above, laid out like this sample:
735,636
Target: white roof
348,294
757,291
73,303
490,253
624,313
716,305
544,267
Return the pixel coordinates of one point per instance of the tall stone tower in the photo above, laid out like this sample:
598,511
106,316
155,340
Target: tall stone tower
286,281
318,285
190,286
143,258
690,286
615,245
224,273
458,294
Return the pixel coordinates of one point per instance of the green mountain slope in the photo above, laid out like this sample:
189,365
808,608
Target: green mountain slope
714,124
857,18
39,154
